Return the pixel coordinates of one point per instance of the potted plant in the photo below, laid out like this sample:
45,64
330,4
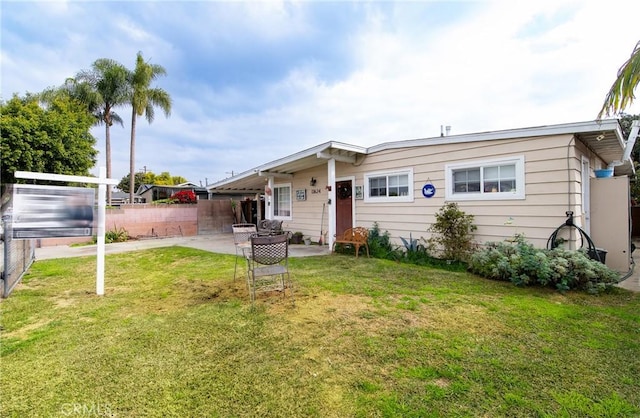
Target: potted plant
296,238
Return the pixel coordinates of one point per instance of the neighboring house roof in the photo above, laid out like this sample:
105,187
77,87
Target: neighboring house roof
184,186
603,137
119,195
143,188
188,184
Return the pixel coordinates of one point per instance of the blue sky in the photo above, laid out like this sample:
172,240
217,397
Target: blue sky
252,82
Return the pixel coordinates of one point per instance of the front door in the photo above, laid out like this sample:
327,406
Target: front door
344,206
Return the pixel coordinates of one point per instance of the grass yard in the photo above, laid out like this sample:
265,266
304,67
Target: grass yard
175,336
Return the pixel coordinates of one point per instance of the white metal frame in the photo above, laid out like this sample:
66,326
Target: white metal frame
102,181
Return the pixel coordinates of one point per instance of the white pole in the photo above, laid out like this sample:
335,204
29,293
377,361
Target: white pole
102,197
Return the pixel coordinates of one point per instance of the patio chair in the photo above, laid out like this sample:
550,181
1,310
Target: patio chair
270,227
268,265
241,235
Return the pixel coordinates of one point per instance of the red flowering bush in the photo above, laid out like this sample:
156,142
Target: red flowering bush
184,196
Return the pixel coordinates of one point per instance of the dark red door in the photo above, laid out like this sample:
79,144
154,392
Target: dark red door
344,206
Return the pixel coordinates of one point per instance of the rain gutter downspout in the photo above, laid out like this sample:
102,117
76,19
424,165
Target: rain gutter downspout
629,144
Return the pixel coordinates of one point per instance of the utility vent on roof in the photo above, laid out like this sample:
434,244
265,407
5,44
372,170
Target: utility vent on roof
447,131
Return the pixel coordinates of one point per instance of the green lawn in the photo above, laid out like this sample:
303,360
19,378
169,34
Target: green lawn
175,336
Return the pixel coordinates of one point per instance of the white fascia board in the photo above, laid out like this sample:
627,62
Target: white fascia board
311,152
337,157
347,147
262,173
562,129
267,167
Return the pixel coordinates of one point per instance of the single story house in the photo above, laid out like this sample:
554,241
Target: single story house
148,193
516,181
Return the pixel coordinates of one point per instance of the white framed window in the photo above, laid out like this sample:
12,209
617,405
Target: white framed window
391,186
282,201
499,179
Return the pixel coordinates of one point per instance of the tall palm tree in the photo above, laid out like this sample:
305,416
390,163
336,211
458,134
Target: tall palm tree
102,88
143,99
621,93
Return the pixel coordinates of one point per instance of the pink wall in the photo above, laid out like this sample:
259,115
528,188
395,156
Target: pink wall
143,221
154,220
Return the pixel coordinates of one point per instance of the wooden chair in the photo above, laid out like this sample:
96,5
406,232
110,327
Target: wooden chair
241,235
268,265
358,237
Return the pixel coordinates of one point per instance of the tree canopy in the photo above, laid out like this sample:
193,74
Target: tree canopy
106,84
144,99
52,139
162,179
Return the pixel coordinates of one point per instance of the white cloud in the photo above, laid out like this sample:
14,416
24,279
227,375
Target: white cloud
495,65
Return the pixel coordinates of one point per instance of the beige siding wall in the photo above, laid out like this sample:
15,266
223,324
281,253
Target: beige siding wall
552,187
307,214
536,216
553,168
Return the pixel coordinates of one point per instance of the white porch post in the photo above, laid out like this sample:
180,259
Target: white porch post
269,198
331,199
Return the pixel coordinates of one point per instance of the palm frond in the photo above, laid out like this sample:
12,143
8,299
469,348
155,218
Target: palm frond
621,93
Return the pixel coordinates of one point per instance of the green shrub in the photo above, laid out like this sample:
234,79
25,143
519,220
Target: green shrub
452,233
116,235
414,251
523,264
380,243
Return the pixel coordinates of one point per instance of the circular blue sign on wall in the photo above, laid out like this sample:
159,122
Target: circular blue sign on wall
428,190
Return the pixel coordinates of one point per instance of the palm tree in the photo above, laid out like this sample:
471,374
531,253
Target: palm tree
143,98
621,93
102,88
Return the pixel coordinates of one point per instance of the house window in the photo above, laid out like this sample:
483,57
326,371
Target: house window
282,201
486,180
391,187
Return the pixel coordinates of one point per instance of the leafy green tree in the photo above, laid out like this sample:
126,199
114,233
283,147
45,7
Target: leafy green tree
165,178
621,93
148,177
178,180
104,87
143,100
125,182
55,139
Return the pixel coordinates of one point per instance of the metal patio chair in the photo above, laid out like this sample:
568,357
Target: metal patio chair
268,265
241,235
270,227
